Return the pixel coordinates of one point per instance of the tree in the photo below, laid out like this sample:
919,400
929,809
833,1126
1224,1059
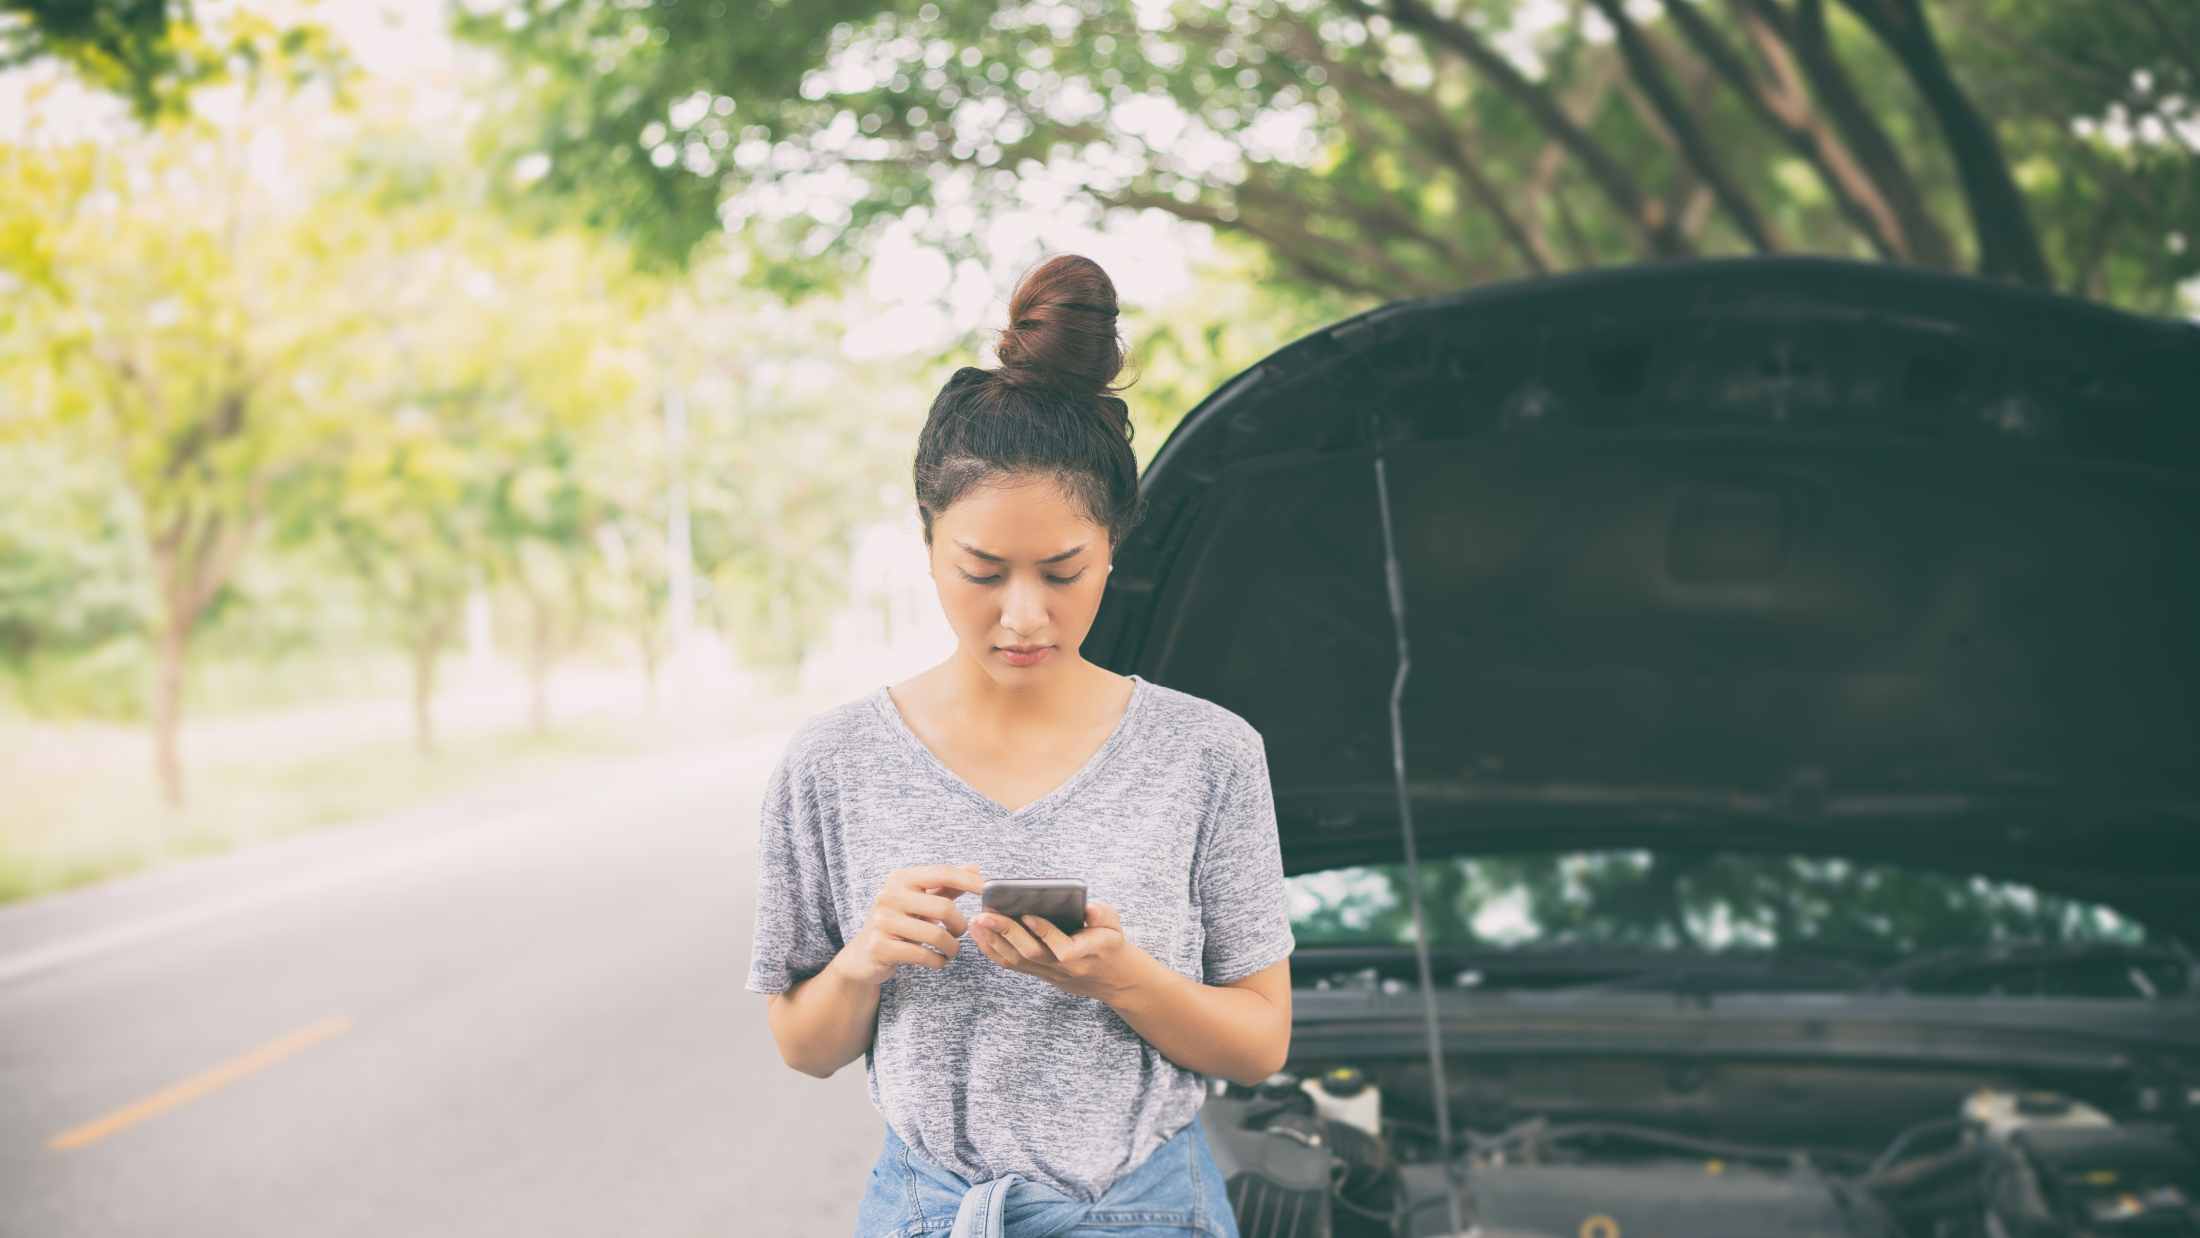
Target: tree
791,447
1388,148
153,53
171,324
1378,149
494,347
68,582
569,365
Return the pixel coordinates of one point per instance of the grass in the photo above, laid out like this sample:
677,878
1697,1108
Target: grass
68,823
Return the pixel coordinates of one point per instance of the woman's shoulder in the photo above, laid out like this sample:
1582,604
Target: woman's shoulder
1195,723
819,740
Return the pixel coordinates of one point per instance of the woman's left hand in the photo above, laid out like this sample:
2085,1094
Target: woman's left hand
1097,962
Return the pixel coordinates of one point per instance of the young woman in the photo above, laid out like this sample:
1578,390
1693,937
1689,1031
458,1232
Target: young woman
1034,1084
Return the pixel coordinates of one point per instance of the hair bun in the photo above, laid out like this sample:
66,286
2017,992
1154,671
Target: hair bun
1061,328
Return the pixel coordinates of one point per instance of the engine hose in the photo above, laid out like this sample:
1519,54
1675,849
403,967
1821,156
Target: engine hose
1909,1136
1905,1175
1693,1143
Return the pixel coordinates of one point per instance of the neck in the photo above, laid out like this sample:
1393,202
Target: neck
1051,694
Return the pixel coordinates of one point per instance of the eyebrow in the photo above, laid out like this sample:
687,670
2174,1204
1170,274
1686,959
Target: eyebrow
998,559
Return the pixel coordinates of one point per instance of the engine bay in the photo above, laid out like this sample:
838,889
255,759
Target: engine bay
1567,1146
1876,1050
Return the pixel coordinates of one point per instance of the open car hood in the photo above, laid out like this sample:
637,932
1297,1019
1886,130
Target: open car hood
1789,554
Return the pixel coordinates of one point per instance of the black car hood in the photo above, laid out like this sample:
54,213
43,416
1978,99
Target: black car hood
1789,554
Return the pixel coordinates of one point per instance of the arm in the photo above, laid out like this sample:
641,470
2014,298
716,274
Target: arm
820,1018
825,993
1238,1026
824,1022
1240,1031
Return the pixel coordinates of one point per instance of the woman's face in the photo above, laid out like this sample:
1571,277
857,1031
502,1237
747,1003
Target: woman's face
1032,592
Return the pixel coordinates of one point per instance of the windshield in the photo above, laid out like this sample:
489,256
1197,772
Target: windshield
1634,918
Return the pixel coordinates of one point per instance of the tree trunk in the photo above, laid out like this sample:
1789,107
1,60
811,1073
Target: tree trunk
173,578
168,710
538,665
424,650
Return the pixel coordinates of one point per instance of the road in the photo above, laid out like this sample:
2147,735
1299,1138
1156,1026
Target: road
519,1011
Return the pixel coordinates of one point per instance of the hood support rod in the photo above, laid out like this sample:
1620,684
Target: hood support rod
1455,1172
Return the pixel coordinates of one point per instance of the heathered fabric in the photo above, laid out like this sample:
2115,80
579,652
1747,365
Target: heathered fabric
986,1070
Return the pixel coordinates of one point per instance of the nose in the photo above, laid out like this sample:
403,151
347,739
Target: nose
1024,612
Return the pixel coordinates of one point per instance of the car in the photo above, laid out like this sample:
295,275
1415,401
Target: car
1745,713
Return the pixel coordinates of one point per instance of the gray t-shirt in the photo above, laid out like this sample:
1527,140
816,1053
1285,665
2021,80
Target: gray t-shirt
986,1070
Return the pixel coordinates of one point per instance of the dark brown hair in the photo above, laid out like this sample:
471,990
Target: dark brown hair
1049,410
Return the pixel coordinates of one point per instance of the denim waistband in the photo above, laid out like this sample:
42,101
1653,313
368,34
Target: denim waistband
1164,1189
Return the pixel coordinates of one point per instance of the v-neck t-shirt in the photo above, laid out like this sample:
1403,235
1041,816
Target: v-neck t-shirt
983,1069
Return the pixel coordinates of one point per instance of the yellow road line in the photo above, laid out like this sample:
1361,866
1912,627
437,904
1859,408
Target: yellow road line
200,1084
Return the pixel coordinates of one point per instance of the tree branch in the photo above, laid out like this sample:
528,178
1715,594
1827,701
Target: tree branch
210,567
1587,96
1295,243
1434,131
1649,74
1662,239
1695,212
1804,33
2009,248
1569,223
1376,219
1294,247
1783,107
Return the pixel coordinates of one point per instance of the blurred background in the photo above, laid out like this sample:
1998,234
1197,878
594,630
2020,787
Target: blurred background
434,424
341,471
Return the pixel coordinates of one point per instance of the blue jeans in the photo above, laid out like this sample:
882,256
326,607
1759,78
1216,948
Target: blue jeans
1178,1192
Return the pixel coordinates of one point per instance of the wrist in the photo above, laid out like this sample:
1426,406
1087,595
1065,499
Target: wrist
841,975
1147,982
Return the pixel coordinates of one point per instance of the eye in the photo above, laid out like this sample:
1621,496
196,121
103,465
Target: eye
987,580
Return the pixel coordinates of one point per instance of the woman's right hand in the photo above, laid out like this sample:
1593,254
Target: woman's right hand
915,908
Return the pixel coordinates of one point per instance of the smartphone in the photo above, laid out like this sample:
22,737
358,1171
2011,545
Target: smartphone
1057,899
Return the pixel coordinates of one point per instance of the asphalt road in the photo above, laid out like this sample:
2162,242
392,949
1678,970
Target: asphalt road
517,1012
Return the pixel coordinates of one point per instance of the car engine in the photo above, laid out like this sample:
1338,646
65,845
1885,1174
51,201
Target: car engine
1317,1157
